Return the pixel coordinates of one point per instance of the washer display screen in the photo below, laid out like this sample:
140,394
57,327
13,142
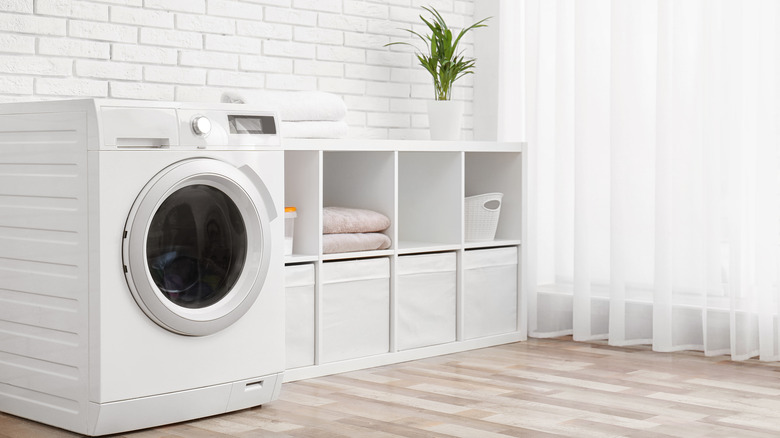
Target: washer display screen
196,246
251,125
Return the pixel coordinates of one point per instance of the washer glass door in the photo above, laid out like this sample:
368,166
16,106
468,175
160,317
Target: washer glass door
196,251
196,246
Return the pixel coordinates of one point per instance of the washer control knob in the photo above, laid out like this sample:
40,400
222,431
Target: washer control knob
201,125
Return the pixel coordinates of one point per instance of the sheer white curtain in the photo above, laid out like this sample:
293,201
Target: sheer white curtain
654,173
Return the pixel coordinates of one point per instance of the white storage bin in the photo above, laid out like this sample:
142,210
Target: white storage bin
299,301
489,292
425,300
354,309
481,216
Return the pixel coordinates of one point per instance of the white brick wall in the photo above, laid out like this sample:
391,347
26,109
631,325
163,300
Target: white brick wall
195,49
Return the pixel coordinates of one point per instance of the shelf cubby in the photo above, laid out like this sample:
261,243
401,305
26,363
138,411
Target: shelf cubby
488,172
360,179
429,200
302,174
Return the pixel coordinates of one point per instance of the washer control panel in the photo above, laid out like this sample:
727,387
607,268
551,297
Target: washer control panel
180,125
240,126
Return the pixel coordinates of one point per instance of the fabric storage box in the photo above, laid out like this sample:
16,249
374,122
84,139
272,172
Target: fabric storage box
299,313
489,292
425,300
354,309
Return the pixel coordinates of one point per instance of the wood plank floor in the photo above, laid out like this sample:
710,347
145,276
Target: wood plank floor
538,388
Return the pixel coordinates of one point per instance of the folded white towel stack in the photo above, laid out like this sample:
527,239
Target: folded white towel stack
353,229
304,114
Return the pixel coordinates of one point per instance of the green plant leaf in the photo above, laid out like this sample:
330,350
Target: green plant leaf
444,62
476,25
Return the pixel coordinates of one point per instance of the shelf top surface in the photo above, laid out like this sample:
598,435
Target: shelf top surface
352,144
404,248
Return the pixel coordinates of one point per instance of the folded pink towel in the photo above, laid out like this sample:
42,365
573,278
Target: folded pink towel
335,243
352,220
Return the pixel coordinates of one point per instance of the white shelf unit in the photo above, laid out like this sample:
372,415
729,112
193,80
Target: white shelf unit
420,186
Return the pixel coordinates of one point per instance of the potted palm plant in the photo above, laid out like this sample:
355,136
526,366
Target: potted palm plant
446,64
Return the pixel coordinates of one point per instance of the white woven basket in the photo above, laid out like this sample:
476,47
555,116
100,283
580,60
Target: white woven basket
481,216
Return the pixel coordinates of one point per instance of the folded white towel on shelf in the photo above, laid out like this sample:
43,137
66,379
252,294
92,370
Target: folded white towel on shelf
336,243
336,220
294,105
323,129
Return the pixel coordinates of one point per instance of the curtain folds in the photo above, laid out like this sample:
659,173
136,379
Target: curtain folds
654,156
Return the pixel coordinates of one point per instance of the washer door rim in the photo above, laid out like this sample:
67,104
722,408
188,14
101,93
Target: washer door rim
242,191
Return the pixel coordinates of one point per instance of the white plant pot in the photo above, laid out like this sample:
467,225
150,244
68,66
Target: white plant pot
445,118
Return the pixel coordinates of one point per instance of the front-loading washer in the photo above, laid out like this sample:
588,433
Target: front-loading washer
141,262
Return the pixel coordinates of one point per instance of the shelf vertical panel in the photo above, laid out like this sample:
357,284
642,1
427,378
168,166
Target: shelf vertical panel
522,274
318,313
459,254
394,257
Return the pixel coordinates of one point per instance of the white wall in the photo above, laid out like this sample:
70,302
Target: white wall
195,49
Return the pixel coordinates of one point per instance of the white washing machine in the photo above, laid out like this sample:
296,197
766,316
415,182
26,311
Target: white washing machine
141,262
